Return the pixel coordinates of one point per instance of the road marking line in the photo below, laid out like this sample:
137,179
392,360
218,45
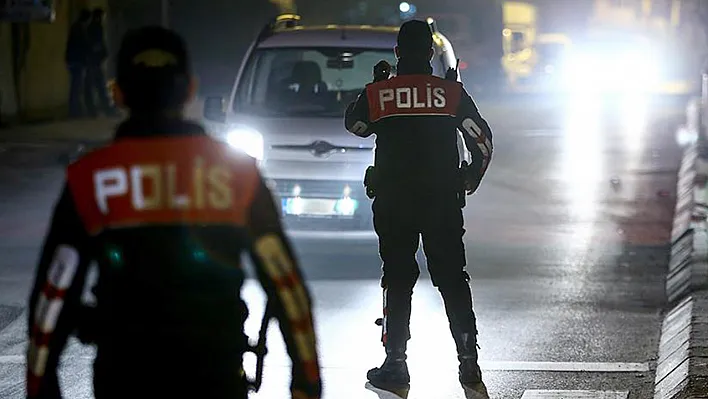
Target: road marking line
576,367
541,132
490,366
542,394
565,367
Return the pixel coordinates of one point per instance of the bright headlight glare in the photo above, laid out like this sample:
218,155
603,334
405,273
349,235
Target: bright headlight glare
635,70
578,70
246,140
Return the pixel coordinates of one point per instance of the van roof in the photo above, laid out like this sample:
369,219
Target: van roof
363,36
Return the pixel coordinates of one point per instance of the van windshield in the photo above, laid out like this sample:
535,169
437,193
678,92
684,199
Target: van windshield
306,81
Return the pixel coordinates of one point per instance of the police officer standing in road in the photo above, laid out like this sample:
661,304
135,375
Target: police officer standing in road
166,212
417,182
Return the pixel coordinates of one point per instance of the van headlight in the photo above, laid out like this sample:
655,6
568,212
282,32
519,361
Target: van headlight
247,140
634,70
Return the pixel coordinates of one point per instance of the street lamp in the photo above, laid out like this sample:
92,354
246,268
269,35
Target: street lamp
407,10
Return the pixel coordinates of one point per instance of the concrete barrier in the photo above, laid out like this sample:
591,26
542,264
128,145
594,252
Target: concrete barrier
688,267
682,367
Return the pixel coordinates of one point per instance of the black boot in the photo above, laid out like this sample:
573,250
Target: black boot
393,373
470,374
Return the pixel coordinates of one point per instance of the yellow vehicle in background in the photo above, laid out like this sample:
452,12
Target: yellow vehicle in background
633,45
504,50
630,47
550,52
532,60
477,40
518,37
622,46
550,56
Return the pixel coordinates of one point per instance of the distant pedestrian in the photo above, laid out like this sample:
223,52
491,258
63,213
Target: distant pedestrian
75,56
95,83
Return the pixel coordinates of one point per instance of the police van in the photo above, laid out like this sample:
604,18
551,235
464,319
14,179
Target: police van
286,109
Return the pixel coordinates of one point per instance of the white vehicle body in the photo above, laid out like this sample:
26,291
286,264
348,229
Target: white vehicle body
314,166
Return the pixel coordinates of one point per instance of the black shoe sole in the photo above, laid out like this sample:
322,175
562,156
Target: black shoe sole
398,390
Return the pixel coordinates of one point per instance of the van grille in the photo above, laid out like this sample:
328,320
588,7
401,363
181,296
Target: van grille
317,188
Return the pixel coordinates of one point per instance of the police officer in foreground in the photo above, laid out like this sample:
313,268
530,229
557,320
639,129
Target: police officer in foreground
417,182
166,212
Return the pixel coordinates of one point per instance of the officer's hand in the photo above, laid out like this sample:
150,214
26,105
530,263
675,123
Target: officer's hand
300,388
471,185
382,71
302,395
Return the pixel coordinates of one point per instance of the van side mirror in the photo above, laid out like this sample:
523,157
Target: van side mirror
214,109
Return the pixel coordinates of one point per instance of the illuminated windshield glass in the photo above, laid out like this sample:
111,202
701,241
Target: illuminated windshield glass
306,81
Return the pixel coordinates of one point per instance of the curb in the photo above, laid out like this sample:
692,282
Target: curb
90,131
682,366
82,130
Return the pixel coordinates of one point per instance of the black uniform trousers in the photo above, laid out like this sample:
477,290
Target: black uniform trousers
400,220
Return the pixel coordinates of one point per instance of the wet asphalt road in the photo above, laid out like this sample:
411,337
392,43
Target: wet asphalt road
567,245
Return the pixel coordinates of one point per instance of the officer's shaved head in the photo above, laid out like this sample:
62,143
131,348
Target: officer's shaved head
415,39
